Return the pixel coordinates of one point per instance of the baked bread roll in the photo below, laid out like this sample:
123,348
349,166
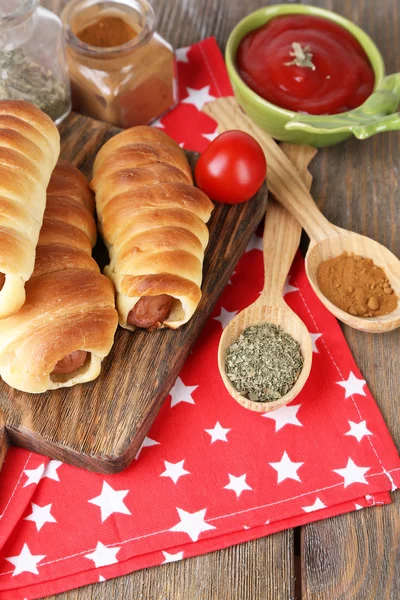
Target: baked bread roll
67,324
153,221
29,149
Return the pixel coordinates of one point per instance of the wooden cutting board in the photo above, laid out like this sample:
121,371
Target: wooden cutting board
101,425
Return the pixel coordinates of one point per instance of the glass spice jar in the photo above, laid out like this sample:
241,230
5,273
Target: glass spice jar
121,70
32,59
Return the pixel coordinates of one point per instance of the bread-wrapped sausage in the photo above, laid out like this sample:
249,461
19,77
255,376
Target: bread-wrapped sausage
153,221
29,149
67,324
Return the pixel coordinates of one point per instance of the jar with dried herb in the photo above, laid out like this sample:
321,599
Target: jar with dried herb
121,70
32,59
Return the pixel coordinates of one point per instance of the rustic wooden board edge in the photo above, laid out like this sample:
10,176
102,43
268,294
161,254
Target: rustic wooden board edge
4,440
253,210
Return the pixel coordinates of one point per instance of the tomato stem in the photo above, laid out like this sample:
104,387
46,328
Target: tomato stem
302,56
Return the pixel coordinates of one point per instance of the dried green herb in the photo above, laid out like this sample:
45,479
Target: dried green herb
22,78
263,364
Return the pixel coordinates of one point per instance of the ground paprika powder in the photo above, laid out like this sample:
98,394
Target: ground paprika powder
356,285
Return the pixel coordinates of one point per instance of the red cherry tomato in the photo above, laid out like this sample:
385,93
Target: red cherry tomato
232,168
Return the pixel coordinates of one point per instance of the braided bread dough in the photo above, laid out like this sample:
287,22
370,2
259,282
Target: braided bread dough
69,305
153,221
29,148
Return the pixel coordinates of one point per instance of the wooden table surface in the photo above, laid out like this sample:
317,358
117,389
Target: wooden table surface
354,556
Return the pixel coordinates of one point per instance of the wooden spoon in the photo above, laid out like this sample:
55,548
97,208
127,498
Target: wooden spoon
326,240
280,242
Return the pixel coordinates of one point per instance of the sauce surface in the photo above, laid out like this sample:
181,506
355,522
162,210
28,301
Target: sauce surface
306,64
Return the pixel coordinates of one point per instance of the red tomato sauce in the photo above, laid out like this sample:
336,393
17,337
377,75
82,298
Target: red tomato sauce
306,64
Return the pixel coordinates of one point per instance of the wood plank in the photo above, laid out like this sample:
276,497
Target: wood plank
354,556
261,570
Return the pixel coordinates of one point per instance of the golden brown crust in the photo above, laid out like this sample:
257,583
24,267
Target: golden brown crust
72,212
15,248
69,305
19,164
130,180
29,113
135,135
159,219
57,232
130,206
10,124
60,257
68,181
29,148
15,140
153,222
137,155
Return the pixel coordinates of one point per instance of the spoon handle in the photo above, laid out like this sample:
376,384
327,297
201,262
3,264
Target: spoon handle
283,178
282,232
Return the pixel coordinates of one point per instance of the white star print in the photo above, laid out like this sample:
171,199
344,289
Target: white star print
318,504
286,469
103,556
287,288
211,136
314,338
147,443
358,506
218,433
174,470
255,243
181,54
110,501
286,415
237,484
34,475
26,562
158,124
101,578
40,515
352,473
51,470
181,144
225,317
359,430
353,385
198,97
172,557
182,393
192,523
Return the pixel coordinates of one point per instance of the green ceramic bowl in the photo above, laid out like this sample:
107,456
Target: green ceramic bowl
377,114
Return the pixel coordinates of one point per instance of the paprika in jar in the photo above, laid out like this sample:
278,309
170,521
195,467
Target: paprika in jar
121,70
306,64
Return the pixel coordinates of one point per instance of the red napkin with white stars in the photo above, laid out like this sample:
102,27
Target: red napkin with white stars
210,474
